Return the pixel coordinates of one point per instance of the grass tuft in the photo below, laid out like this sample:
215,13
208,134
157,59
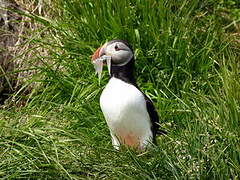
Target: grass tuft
187,62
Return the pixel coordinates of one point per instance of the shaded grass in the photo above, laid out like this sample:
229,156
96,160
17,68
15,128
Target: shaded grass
187,62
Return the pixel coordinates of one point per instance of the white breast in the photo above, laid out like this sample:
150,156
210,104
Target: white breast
124,109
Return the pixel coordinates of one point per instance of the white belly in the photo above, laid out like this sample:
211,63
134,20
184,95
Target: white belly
124,109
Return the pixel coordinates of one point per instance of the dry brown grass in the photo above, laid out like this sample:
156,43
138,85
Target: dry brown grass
16,50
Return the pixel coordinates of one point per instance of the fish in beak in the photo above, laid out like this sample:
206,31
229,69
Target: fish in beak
99,58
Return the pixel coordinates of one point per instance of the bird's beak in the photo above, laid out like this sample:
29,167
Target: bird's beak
96,54
99,58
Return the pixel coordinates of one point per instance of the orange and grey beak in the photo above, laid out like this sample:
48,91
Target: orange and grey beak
99,58
96,54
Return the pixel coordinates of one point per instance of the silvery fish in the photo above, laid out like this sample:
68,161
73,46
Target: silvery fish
98,65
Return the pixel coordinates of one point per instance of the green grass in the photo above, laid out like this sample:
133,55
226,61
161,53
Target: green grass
187,61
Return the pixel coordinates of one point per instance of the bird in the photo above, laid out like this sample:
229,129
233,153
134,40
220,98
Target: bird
130,115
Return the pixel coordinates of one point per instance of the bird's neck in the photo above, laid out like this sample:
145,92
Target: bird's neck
125,73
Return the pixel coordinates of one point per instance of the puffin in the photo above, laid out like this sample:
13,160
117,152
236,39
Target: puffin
130,115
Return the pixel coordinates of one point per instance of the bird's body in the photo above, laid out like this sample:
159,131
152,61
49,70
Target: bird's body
129,113
124,108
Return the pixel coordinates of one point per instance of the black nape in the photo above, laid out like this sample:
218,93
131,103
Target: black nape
125,72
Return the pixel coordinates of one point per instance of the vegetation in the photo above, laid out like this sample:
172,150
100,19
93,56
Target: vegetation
187,62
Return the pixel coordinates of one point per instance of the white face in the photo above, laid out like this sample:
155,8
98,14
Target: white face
119,52
114,52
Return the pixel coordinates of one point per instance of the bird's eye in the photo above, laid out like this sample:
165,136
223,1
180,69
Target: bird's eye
116,47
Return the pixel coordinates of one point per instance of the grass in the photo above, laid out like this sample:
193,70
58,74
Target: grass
187,61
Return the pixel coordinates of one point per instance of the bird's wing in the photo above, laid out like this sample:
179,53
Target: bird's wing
153,117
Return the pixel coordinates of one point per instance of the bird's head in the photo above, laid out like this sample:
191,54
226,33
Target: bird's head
112,53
